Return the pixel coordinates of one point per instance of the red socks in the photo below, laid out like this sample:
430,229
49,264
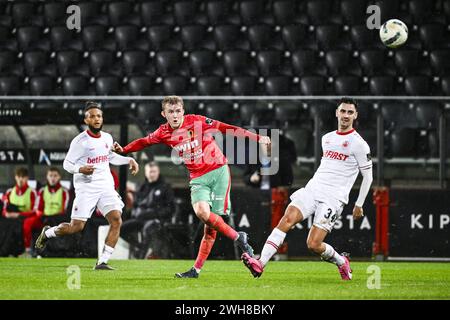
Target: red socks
216,222
205,247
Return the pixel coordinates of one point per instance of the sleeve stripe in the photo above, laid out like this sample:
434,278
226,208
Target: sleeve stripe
365,168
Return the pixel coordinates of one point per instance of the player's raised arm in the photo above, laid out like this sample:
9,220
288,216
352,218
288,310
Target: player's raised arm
364,159
119,160
138,144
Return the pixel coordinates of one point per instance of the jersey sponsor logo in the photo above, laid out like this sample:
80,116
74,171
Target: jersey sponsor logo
345,144
209,121
335,155
98,159
187,146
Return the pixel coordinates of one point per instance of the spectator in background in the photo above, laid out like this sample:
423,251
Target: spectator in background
278,183
19,203
53,199
153,206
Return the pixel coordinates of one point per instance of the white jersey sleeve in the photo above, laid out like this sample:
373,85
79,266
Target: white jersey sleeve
361,151
73,155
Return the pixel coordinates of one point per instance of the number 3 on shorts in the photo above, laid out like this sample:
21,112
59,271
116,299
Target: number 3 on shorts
327,215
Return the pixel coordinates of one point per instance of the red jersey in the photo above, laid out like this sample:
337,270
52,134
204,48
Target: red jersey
193,141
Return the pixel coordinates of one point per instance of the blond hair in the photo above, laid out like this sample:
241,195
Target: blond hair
171,100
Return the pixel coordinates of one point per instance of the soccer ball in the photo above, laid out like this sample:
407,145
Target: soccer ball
393,33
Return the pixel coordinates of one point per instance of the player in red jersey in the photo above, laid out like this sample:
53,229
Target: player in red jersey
191,136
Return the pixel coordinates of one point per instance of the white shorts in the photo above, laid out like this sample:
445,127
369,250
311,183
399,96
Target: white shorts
325,212
86,202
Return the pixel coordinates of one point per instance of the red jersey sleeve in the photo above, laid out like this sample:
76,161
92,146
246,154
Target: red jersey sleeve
228,128
5,200
139,144
40,206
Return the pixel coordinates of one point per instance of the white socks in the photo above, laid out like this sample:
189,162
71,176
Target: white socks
50,233
332,256
274,241
107,252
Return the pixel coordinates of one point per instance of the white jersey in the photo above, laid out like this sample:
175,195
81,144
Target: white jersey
86,149
344,155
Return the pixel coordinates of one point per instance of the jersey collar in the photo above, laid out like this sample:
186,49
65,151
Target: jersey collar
93,135
344,133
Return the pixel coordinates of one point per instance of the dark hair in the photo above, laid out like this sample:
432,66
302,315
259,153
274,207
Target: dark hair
152,164
54,169
92,105
21,172
348,100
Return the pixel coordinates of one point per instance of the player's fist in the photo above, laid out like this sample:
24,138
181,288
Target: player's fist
117,148
266,144
358,213
87,170
134,167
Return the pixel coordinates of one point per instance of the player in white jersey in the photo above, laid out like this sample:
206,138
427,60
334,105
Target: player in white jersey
345,154
88,160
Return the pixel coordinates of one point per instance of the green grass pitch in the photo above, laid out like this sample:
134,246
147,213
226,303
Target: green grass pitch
154,279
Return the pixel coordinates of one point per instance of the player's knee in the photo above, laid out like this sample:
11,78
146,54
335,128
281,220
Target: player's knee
202,212
313,245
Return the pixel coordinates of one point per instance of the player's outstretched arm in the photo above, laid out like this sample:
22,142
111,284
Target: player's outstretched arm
119,160
367,175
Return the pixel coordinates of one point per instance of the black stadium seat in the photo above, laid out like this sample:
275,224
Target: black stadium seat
440,62
337,61
417,85
244,85
353,11
55,14
313,85
220,12
420,10
122,13
126,37
91,13
10,85
406,61
388,8
427,114
445,85
270,62
153,13
168,62
187,12
403,142
372,62
41,86
141,85
397,115
363,38
238,63
71,63
32,38
229,37
162,37
62,38
302,141
195,37
318,11
347,85
330,37
304,62
278,85
176,85
432,35
135,62
25,14
101,62
108,85
253,12
287,112
204,62
7,60
381,85
210,85
284,11
219,110
294,36
75,85
95,37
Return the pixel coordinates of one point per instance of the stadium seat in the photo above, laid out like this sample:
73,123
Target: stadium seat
70,63
32,38
219,110
302,139
381,85
196,37
397,115
62,38
187,12
403,142
427,114
210,85
229,37
277,85
9,85
25,14
101,62
263,37
108,86
417,86
325,111
373,62
432,36
256,113
370,136
204,62
318,11
312,85
420,10
287,113
270,62
284,12
122,13
153,13
440,62
253,12
162,37
7,40
41,86
95,37
304,62
388,8
294,36
91,13
347,85
363,38
337,61
55,14
149,112
75,85
445,85
126,37
175,85
7,60
141,85
169,63
353,12
244,85
135,62
238,63
220,12
406,61
330,37
33,61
